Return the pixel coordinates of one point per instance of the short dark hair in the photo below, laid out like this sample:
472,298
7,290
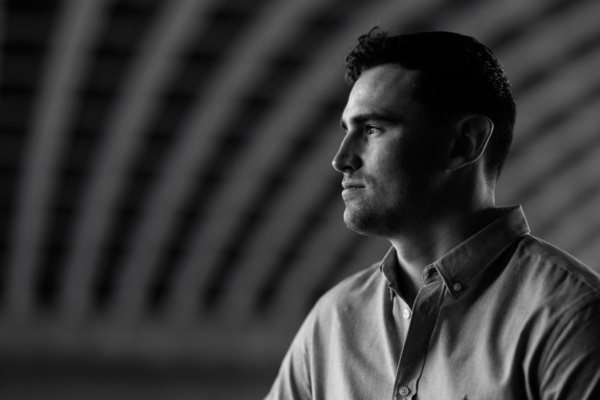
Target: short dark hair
458,75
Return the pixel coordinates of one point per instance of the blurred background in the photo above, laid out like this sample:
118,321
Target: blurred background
168,210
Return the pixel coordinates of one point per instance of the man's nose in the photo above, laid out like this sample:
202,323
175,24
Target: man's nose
347,158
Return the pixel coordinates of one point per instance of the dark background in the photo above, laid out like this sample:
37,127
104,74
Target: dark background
168,211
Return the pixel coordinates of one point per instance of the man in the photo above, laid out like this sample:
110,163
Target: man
466,304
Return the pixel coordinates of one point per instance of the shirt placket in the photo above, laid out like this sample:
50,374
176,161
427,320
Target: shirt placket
422,322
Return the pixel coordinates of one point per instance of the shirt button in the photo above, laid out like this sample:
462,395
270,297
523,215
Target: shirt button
406,313
404,391
457,287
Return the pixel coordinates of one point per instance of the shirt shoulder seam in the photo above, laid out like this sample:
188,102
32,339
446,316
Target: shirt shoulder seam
558,263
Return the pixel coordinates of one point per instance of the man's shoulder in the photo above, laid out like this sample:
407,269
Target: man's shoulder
560,272
550,256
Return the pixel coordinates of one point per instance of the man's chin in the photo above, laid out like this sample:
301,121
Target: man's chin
371,224
359,223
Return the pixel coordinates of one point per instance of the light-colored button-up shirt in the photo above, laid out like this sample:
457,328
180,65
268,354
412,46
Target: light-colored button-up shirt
504,315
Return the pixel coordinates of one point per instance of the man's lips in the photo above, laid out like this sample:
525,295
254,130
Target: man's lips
352,185
351,190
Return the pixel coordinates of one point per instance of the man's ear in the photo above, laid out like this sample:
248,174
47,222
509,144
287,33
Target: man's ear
473,131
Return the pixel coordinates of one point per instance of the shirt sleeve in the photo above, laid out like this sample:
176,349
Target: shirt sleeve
293,379
571,369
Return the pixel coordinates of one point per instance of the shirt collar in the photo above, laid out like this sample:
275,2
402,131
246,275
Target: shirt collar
460,265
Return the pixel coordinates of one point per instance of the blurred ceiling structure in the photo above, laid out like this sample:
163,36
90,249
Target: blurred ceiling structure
166,189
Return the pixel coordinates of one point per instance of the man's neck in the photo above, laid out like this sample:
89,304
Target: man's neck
421,247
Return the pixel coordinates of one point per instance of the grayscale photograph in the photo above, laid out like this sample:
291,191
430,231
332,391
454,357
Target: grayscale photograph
299,200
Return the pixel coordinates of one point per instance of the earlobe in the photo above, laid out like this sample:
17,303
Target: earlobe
473,133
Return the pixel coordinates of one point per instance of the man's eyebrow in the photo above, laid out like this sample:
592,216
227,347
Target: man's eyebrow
362,118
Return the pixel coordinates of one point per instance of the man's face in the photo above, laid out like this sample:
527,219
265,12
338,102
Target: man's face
391,155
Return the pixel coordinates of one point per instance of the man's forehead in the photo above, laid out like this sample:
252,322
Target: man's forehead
381,90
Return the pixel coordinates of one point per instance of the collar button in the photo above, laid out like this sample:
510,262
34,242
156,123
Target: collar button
404,391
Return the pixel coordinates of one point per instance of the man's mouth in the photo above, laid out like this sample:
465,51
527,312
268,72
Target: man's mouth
351,189
352,185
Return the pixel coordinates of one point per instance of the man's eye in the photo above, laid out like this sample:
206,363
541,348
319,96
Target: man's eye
372,129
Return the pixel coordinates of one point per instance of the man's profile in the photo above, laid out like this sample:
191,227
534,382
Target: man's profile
466,303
